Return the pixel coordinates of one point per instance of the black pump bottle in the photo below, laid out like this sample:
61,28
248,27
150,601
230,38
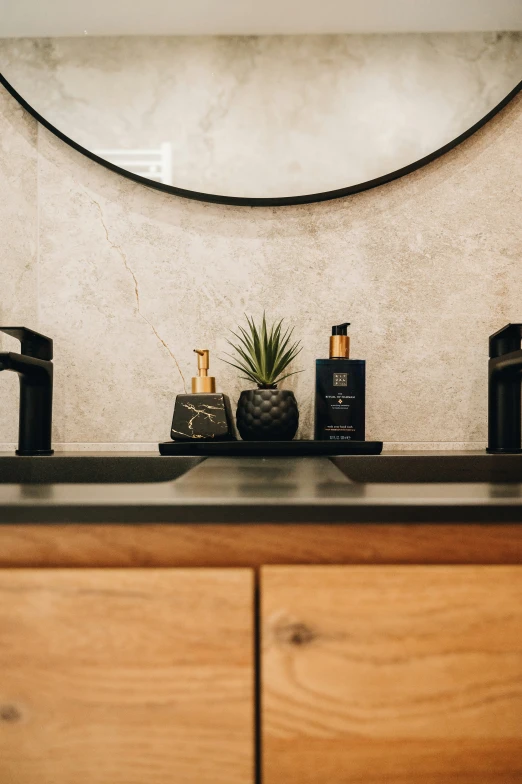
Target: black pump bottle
340,392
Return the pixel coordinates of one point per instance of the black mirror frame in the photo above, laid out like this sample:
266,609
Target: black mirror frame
278,201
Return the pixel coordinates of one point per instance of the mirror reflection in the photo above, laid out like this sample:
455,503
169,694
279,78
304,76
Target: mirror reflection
261,116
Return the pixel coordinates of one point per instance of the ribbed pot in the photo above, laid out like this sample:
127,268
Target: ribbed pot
267,415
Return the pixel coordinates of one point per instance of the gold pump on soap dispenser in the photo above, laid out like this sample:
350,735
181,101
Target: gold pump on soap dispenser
203,382
204,415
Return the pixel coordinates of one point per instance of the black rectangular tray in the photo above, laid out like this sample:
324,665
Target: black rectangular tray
269,448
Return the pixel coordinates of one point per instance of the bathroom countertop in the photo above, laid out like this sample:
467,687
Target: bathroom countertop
276,490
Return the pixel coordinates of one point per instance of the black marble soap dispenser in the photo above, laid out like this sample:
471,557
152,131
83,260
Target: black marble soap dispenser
205,415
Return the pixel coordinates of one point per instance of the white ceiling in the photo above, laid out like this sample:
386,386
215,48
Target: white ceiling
36,18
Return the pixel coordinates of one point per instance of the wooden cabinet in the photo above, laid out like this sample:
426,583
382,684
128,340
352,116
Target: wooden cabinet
398,665
392,674
126,676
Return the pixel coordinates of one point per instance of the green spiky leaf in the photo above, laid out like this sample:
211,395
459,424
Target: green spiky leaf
263,352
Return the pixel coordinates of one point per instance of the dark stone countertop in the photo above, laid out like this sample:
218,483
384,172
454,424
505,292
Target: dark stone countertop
393,487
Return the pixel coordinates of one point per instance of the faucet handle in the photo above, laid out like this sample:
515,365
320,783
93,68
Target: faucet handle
33,343
505,340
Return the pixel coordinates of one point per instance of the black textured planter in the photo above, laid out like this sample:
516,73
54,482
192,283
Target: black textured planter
267,415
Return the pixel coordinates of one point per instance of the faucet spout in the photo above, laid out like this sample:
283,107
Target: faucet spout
35,373
507,363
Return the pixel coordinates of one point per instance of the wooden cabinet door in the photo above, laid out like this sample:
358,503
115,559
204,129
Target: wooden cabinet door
392,675
126,676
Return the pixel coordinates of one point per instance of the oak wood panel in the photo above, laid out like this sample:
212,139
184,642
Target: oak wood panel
252,544
126,676
392,674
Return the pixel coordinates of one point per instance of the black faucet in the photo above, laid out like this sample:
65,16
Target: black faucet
504,390
35,371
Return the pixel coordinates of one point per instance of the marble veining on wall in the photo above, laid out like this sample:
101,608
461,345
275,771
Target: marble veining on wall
128,281
270,115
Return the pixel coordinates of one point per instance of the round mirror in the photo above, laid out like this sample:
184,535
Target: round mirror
268,103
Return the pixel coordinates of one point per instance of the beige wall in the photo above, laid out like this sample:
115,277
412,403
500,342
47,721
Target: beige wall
128,281
19,241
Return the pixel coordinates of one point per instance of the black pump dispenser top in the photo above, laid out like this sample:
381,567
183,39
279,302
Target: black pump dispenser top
341,329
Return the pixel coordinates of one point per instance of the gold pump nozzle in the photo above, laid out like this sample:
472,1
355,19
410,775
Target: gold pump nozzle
203,383
340,342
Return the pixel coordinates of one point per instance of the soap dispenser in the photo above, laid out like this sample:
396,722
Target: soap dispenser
205,415
340,392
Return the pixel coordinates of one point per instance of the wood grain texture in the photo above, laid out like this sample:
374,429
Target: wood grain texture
126,676
403,675
251,544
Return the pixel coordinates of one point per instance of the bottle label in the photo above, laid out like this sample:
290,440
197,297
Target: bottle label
339,432
340,401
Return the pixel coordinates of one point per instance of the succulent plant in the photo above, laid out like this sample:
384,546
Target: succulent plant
263,353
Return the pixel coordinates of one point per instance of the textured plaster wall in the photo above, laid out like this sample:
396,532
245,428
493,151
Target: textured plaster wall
19,241
128,281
